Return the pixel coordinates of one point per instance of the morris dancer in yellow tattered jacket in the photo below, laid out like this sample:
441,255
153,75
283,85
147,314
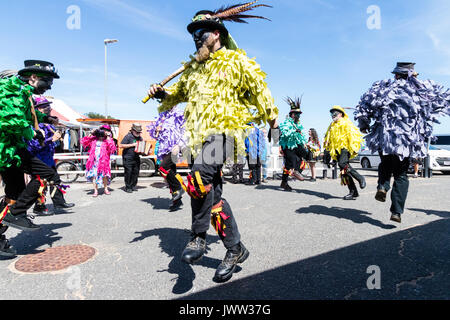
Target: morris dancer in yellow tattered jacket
224,91
343,140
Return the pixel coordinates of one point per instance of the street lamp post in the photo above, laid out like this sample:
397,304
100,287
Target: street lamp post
106,42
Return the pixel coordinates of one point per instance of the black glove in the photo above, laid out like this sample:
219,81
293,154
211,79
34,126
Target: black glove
39,137
364,124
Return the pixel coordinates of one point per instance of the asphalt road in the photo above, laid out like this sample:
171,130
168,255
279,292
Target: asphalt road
307,244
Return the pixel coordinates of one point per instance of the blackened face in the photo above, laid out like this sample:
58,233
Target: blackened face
200,36
295,116
42,85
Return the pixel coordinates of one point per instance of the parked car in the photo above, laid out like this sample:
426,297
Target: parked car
369,160
439,159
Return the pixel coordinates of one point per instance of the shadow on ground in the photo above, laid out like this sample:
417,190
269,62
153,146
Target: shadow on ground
320,195
442,214
356,216
414,264
172,243
29,242
158,203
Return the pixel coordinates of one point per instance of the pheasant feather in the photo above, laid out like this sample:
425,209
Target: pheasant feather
233,13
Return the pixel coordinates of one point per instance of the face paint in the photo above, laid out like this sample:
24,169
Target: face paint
335,114
200,36
42,85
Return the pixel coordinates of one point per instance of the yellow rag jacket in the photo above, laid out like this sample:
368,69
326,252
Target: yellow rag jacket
343,134
223,95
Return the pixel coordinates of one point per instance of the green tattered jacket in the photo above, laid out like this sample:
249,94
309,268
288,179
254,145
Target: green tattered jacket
16,120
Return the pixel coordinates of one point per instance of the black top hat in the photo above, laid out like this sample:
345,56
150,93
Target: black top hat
39,66
403,68
294,104
204,20
214,19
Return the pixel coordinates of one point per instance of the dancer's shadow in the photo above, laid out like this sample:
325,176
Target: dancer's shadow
158,203
27,243
321,195
442,214
173,242
357,216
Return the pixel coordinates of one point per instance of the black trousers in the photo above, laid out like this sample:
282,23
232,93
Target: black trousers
255,166
14,181
209,164
169,166
132,167
343,158
293,158
391,165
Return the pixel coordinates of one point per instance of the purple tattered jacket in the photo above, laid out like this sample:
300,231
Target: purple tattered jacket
46,151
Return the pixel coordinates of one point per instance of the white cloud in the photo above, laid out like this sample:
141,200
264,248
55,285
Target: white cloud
141,18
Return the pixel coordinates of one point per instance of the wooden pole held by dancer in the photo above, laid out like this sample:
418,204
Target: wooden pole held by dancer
166,80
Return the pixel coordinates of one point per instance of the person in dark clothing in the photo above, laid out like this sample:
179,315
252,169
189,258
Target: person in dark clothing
398,115
20,123
131,159
343,140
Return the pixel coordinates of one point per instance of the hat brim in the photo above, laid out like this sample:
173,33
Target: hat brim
207,24
34,70
136,129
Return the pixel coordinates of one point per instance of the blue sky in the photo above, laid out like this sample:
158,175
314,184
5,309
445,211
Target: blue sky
322,49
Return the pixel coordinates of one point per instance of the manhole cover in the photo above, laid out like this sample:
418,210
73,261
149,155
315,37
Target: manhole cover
54,259
159,185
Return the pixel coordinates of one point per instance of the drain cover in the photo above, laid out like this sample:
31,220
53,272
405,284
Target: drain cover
159,185
54,259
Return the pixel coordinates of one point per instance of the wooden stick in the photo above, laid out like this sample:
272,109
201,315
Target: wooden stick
33,113
170,77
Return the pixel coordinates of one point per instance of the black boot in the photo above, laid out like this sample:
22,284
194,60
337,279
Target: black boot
353,191
352,195
41,210
20,222
358,177
228,265
381,195
177,195
5,249
194,250
284,183
175,205
396,217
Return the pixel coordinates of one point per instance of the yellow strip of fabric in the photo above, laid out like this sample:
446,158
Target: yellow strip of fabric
343,135
200,183
223,94
180,179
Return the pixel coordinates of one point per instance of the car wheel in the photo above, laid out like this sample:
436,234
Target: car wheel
365,163
147,165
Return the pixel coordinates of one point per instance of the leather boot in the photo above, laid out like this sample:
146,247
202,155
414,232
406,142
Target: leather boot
5,249
226,268
381,195
284,183
194,250
353,191
358,177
